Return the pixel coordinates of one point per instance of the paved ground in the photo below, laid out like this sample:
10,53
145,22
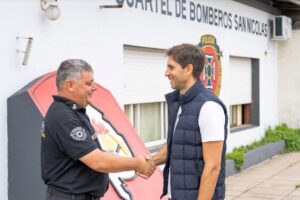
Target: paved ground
273,179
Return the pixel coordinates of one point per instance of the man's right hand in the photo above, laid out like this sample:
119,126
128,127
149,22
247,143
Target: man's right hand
145,167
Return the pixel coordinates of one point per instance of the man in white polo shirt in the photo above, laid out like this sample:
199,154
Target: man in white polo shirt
194,155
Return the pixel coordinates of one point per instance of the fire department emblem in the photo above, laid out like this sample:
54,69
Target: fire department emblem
211,76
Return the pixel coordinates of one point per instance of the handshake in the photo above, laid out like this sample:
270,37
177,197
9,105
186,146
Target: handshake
145,167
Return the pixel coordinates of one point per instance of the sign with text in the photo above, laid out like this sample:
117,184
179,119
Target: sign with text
201,13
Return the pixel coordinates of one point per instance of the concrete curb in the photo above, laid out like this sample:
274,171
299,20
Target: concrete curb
256,156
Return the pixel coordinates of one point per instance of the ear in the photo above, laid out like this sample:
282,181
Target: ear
69,85
189,69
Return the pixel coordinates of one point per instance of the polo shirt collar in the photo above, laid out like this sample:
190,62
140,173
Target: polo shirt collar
73,105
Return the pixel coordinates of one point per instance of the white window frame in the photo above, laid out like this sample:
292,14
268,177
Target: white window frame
134,119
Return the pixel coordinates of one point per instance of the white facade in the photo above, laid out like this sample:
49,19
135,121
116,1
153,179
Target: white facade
289,81
99,35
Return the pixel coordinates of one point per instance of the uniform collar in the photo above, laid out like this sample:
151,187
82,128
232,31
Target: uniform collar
73,105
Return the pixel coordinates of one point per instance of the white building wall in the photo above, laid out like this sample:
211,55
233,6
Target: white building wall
85,31
289,80
79,33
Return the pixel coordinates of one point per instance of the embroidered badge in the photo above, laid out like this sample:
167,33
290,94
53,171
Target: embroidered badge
78,134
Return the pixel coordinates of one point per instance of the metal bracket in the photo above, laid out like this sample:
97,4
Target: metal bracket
27,50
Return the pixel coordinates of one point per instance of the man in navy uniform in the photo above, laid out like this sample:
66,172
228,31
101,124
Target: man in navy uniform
196,145
73,165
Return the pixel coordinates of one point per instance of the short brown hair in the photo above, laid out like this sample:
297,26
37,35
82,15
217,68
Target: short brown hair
185,54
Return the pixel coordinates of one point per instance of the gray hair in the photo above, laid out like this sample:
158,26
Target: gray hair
71,70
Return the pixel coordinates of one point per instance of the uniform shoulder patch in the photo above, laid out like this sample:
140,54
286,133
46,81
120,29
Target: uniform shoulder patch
78,134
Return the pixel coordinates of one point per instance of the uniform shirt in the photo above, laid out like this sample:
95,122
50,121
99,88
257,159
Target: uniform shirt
211,123
67,135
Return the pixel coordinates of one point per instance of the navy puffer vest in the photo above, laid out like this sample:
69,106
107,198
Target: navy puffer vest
185,148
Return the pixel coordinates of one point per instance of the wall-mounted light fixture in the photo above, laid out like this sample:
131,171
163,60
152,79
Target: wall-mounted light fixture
51,9
27,48
110,4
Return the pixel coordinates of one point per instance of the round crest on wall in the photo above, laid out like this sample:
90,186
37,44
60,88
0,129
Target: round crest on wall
211,75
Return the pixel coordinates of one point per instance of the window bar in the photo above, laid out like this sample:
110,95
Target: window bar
138,119
166,120
162,127
131,115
